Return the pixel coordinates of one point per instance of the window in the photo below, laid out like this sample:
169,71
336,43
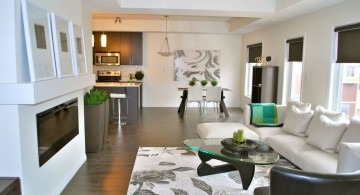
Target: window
253,52
294,69
346,71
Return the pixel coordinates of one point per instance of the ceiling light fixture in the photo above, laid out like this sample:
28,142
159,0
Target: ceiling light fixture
165,48
103,38
118,19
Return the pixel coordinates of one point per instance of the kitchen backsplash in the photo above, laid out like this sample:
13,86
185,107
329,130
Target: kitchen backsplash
125,70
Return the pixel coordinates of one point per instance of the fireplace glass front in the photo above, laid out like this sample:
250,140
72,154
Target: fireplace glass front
56,127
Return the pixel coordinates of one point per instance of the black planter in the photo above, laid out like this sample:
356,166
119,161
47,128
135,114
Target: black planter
96,126
139,76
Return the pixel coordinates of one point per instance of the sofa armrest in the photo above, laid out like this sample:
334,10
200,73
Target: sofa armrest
280,112
349,157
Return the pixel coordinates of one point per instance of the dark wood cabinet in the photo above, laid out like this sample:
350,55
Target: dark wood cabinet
129,44
264,84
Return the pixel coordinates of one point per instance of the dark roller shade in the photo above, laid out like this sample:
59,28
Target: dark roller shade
254,51
348,45
295,49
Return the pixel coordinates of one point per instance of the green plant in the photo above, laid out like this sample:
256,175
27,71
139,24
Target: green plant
204,82
214,83
95,97
192,82
139,74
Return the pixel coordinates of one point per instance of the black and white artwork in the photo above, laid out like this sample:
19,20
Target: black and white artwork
196,65
39,45
77,41
61,40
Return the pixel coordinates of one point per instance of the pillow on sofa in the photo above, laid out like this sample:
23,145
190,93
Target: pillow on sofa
319,110
300,105
296,121
328,134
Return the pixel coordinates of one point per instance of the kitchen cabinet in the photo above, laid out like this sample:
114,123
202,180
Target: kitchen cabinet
130,110
129,44
264,84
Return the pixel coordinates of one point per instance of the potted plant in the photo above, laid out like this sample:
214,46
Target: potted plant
214,83
204,83
192,82
96,119
139,75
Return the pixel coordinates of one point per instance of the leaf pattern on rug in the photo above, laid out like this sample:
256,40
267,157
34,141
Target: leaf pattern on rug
180,169
144,192
167,164
179,191
202,186
234,175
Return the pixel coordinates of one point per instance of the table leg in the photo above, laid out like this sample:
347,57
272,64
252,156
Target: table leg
182,106
246,170
223,108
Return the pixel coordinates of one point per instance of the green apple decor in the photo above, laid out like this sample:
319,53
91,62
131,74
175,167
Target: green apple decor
139,75
214,83
204,83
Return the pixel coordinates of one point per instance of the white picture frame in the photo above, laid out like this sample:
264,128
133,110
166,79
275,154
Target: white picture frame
39,45
61,33
78,45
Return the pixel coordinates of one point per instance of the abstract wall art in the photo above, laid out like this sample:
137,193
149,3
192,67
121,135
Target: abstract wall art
196,64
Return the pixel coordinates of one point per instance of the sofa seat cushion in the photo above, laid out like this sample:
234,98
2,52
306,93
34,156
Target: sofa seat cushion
288,145
265,132
317,161
223,130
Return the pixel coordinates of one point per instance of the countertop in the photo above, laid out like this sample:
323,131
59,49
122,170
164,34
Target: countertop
116,84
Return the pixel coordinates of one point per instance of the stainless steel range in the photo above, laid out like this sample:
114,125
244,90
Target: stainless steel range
108,75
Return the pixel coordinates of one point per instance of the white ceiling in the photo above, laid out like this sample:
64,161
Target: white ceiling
243,16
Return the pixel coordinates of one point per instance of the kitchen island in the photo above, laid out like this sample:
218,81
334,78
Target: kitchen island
130,111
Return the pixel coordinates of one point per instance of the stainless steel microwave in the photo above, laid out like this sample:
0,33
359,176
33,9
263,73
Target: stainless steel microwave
107,58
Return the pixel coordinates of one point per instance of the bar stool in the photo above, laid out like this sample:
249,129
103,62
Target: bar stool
118,97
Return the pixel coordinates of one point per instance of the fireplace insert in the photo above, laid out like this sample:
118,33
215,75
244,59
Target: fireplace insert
56,127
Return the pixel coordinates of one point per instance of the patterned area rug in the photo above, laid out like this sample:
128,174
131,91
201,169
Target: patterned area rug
172,170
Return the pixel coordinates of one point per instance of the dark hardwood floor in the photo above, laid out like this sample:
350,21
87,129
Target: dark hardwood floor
109,171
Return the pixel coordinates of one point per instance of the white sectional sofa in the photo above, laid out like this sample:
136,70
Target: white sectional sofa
314,140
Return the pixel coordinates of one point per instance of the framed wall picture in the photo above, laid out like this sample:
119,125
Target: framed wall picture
62,47
79,57
39,45
196,65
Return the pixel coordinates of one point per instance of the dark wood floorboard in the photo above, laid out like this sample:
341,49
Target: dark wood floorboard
109,171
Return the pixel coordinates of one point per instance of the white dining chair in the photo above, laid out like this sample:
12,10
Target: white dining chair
195,94
213,95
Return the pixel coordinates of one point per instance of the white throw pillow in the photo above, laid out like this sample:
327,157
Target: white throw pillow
300,105
319,110
328,134
296,121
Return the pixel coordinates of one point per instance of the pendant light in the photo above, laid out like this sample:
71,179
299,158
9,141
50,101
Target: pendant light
103,39
165,48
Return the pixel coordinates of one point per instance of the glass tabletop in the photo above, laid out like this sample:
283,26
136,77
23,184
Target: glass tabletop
261,155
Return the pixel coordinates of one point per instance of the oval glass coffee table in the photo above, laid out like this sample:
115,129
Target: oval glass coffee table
243,161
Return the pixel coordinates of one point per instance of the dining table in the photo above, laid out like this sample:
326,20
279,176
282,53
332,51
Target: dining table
182,107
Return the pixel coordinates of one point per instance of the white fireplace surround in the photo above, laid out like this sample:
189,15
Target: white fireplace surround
19,105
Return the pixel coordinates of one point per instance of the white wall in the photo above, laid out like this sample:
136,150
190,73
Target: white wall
159,87
317,29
